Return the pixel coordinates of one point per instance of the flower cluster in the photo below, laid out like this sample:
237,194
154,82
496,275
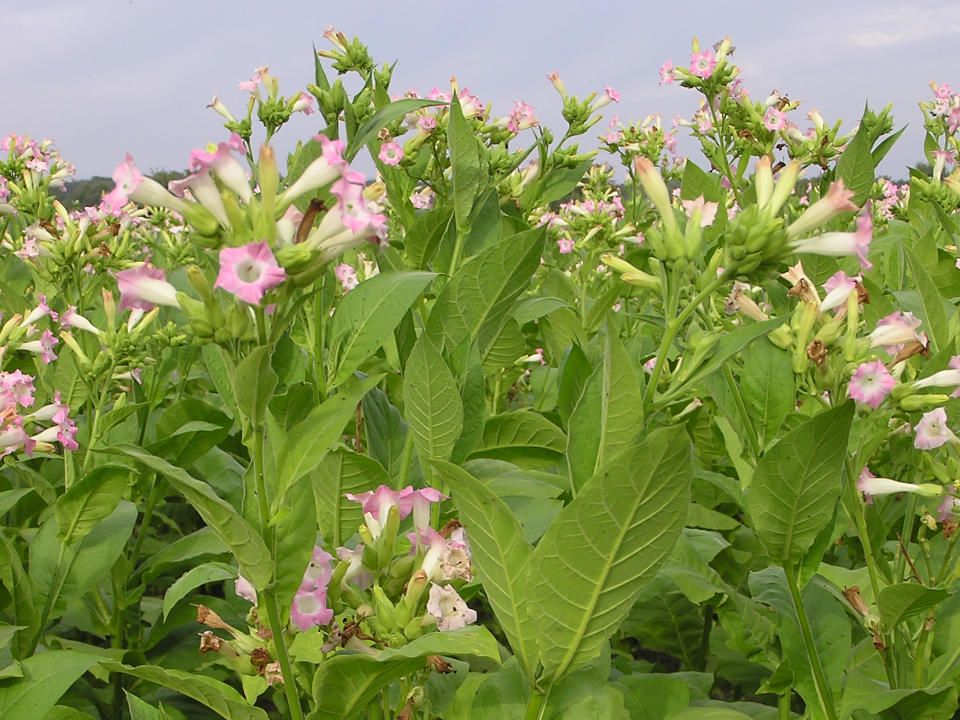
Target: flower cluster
22,431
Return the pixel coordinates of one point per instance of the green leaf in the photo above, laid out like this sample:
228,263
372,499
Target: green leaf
500,557
246,545
696,183
219,697
345,684
607,418
534,308
476,302
797,483
188,429
653,697
930,300
296,535
343,471
142,710
767,385
903,600
380,119
708,713
464,164
885,145
368,314
856,165
557,185
520,434
46,677
308,442
253,383
604,547
432,404
194,578
10,498
90,500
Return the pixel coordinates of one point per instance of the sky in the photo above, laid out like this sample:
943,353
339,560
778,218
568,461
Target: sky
105,77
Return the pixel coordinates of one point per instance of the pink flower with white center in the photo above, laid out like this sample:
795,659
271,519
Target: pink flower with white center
16,388
354,213
220,161
666,73
245,589
356,572
391,153
840,244
249,271
871,383
944,378
13,437
421,500
705,211
72,319
205,191
953,120
253,83
932,431
450,610
521,117
43,347
41,311
426,123
4,190
423,199
470,105
609,96
377,503
871,486
319,571
310,609
838,289
703,63
774,120
565,245
456,561
127,178
438,94
649,365
894,330
145,286
303,103
947,506
288,224
346,276
941,92
836,201
433,545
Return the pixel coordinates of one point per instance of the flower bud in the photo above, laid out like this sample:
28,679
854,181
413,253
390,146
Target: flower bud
923,402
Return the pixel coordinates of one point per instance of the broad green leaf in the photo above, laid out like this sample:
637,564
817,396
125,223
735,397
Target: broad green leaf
194,578
520,434
99,550
294,537
856,166
506,349
345,684
574,373
22,610
367,315
500,557
667,621
219,697
654,696
708,713
244,542
142,710
431,399
557,185
188,429
380,119
464,164
10,498
386,430
797,483
932,303
308,442
46,677
767,385
343,471
90,500
475,304
697,183
191,548
604,547
607,417
885,145
425,235
903,600
253,383
534,308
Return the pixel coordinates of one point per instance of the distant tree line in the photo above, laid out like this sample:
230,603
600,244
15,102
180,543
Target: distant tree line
89,191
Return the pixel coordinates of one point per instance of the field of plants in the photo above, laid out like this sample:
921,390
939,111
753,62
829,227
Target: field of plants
504,430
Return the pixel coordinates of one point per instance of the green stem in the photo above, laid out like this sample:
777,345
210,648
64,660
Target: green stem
742,409
783,706
670,335
537,705
921,659
722,144
820,680
406,457
457,250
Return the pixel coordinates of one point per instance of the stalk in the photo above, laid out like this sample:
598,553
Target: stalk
820,680
537,705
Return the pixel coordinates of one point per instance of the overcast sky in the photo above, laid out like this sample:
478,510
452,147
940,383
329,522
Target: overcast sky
103,77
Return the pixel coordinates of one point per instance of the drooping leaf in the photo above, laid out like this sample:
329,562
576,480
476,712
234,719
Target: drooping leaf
607,417
903,600
244,542
90,500
194,578
431,401
604,547
366,317
46,677
797,483
500,556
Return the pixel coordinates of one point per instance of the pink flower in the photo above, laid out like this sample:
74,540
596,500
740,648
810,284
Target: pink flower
377,504
944,378
426,123
249,271
303,103
448,608
220,162
127,178
245,589
565,245
932,430
838,288
871,486
354,213
706,211
840,244
836,201
310,609
666,73
72,319
319,571
321,172
391,153
871,383
521,117
421,500
554,78
347,276
774,119
356,573
703,63
253,83
145,286
16,388
894,330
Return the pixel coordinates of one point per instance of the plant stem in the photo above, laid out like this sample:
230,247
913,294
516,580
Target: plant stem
742,409
820,680
406,457
783,706
537,705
